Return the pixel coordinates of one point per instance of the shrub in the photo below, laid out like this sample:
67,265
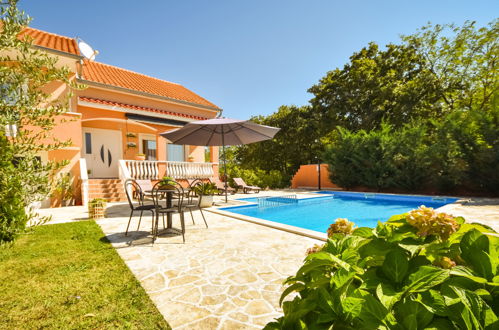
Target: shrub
257,177
205,189
416,271
381,159
460,150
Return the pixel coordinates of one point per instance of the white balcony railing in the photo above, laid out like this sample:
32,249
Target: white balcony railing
84,181
154,170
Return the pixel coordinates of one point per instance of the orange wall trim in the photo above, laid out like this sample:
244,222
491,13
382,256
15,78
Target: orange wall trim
307,177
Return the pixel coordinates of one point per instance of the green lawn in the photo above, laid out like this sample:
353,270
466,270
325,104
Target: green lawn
69,276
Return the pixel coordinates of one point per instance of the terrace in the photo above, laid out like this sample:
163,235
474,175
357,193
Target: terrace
229,275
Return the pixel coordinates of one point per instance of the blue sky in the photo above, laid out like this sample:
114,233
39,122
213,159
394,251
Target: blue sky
248,57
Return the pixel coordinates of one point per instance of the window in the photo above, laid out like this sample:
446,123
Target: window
88,143
207,154
175,153
149,149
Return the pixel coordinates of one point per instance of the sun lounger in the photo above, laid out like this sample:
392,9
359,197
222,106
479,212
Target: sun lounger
241,184
221,186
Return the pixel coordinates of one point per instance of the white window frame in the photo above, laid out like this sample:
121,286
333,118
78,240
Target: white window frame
186,151
145,136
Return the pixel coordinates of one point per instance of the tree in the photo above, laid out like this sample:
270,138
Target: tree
24,105
438,76
439,69
294,144
391,86
463,62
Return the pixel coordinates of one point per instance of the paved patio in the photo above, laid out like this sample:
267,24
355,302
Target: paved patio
228,276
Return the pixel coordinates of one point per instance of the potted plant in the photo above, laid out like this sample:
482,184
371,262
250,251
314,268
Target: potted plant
131,135
64,189
167,182
205,191
131,145
190,159
140,157
97,208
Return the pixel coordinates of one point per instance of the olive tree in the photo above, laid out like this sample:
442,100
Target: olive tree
27,116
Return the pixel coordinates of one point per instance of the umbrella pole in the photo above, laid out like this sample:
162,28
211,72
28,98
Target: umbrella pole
225,164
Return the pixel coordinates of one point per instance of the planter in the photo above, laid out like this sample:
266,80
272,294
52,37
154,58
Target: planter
168,187
206,200
97,209
67,202
140,157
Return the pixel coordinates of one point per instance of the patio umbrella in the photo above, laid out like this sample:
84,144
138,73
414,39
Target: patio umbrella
220,132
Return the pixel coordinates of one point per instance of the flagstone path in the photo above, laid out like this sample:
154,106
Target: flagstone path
228,276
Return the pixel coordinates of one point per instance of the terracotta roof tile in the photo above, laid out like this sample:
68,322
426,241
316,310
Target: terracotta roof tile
136,107
51,40
112,75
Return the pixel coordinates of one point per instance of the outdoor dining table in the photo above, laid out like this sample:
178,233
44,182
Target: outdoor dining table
168,204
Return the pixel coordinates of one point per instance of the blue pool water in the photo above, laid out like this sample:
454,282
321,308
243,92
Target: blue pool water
365,209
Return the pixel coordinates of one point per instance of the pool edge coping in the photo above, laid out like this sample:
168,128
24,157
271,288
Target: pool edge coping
217,209
267,223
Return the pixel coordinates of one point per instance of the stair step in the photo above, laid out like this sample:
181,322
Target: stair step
105,184
111,189
95,181
104,189
107,194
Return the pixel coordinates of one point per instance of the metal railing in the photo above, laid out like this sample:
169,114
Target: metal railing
273,201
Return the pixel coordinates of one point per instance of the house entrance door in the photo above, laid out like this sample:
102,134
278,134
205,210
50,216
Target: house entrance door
102,150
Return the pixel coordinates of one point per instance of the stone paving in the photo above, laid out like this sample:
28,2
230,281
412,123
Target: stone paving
228,276
483,210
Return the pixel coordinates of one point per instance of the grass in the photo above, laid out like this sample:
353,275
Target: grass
69,276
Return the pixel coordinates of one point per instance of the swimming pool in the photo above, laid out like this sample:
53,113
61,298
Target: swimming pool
317,213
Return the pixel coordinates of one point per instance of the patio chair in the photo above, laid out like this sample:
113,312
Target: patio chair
241,184
176,193
133,189
146,187
221,186
192,201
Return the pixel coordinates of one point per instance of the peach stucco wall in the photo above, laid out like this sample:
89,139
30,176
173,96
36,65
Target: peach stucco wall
73,167
106,119
307,177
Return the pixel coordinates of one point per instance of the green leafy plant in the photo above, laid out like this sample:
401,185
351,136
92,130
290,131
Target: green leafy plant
97,208
131,135
204,189
167,181
64,187
421,270
25,104
99,202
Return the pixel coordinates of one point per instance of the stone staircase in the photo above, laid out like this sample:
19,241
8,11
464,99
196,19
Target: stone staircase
109,189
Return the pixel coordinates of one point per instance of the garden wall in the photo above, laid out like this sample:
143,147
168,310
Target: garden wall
307,177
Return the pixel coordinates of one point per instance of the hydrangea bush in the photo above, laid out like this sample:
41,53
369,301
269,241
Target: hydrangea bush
420,270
